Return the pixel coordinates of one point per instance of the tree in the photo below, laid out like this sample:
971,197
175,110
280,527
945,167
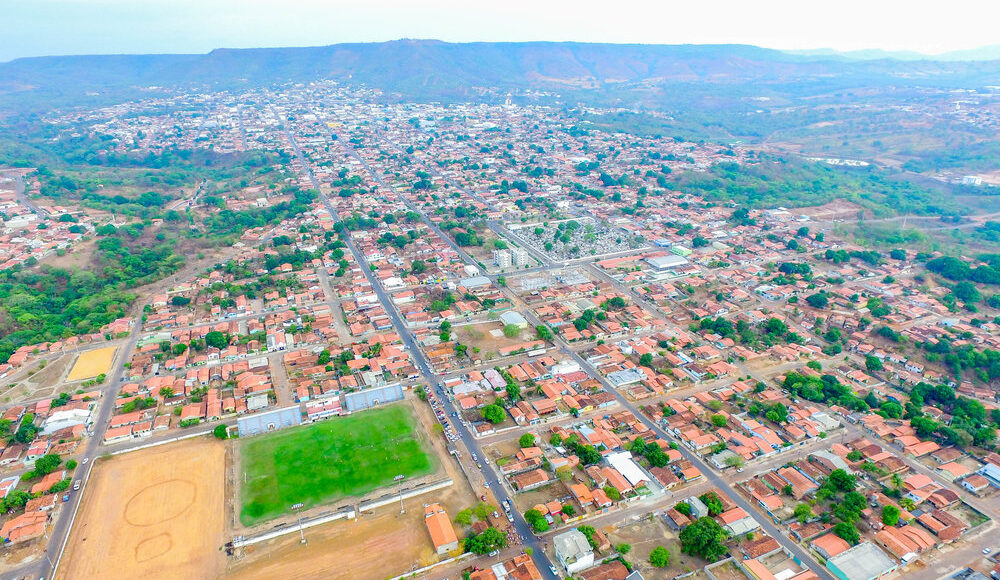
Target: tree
646,360
775,326
803,512
589,532
220,432
484,543
890,515
719,420
819,300
612,493
712,502
569,510
323,358
873,363
44,465
180,301
511,330
847,532
216,339
778,413
536,520
494,414
659,557
526,440
71,464
704,538
841,480
623,548
513,392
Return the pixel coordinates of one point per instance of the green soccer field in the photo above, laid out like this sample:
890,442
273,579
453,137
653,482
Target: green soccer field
335,458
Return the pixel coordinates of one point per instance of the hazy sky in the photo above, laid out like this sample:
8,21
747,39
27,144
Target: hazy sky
47,27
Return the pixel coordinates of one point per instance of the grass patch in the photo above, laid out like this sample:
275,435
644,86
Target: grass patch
340,457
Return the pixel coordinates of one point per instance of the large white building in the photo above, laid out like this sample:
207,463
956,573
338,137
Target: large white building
573,551
502,258
519,256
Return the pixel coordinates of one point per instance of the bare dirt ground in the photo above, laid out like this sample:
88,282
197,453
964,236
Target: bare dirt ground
152,514
378,545
78,256
643,536
837,209
16,555
41,382
478,336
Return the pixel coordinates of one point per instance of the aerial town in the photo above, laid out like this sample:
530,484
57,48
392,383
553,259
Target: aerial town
480,341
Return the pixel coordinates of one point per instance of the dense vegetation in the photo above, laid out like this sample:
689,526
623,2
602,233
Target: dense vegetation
50,304
777,181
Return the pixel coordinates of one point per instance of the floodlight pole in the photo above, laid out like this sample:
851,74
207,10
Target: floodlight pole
298,513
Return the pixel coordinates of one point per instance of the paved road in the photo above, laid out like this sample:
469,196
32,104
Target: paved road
712,476
520,525
46,567
21,195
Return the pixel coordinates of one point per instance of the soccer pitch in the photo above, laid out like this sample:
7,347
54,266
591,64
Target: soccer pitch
339,457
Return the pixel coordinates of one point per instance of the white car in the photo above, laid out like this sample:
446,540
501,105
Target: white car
86,460
987,550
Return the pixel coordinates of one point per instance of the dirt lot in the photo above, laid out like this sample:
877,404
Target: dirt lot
366,542
92,363
836,209
43,381
644,535
479,336
151,514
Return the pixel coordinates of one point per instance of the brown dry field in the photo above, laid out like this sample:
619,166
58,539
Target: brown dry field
643,536
78,256
478,336
836,209
379,545
152,514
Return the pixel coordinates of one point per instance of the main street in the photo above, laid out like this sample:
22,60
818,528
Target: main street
521,526
712,476
47,566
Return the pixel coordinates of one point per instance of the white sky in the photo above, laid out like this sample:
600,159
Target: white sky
47,27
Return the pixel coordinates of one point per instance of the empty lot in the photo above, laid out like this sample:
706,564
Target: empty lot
156,513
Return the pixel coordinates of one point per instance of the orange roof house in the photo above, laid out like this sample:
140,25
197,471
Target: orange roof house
439,525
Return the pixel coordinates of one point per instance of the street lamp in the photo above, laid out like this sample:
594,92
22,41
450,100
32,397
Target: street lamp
298,512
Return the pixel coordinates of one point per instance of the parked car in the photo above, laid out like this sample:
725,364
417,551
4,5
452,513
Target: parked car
76,485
